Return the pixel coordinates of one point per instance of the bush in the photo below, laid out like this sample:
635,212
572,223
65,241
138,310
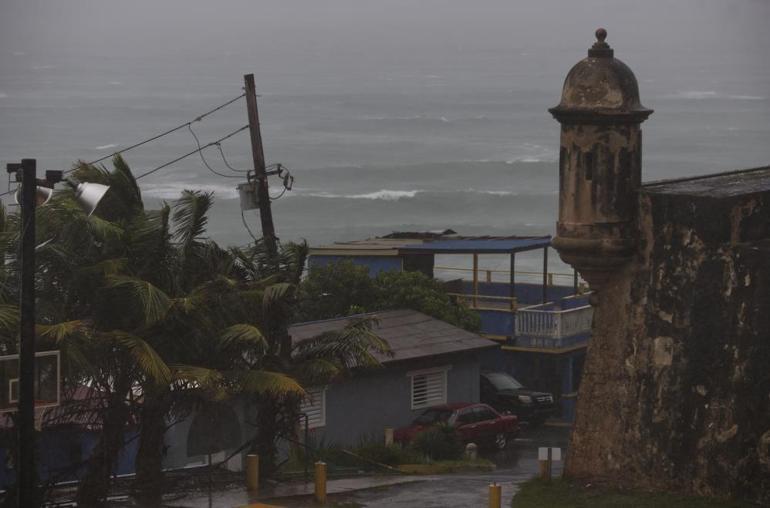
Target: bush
392,455
440,442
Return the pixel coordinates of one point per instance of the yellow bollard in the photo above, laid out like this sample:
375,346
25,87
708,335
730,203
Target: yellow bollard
320,482
495,495
252,473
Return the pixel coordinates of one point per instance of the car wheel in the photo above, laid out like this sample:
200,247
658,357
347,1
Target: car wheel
501,441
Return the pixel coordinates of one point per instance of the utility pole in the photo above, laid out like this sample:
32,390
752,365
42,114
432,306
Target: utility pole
26,418
265,213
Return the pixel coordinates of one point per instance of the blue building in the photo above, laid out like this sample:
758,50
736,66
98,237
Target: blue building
542,326
432,363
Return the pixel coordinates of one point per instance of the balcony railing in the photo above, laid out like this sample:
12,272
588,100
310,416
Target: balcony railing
553,324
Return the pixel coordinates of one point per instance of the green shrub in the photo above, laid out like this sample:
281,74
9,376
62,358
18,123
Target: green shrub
440,442
392,455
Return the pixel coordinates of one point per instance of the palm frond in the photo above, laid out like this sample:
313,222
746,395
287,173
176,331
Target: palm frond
354,346
151,301
145,356
315,371
190,216
60,331
9,317
261,382
243,334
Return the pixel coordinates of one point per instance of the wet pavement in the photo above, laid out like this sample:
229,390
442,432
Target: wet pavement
515,465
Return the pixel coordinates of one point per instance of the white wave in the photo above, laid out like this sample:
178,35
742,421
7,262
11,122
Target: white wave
173,190
444,119
105,147
711,94
115,83
696,94
3,95
383,194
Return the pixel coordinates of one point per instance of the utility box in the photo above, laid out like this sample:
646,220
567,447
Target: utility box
248,194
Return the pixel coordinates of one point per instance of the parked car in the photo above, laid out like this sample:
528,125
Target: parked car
475,423
506,395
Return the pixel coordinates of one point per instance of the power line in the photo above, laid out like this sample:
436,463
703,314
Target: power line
157,136
197,150
203,159
224,159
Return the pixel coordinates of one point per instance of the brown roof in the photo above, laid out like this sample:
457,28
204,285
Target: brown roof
409,333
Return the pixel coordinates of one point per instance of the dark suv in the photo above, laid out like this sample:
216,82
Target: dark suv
506,395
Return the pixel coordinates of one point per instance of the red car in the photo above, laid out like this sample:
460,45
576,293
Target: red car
476,423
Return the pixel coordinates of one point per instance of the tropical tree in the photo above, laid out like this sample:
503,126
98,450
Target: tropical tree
343,288
155,318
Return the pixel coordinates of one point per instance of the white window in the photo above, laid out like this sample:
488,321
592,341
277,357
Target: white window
314,406
428,387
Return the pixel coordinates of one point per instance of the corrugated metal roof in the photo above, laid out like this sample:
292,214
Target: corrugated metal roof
409,333
450,244
480,245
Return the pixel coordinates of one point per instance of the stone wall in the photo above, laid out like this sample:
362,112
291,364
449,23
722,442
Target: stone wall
676,385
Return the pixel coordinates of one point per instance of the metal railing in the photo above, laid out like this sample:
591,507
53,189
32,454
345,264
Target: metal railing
480,302
566,279
553,324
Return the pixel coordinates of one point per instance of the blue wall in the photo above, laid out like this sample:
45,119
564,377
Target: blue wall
363,406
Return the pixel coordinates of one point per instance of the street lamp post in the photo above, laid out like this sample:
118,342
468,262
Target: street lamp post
31,191
26,417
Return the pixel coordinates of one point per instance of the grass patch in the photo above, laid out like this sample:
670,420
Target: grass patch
448,466
561,493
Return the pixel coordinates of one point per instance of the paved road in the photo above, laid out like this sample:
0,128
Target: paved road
515,465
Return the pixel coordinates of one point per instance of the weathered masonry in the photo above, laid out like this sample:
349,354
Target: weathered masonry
676,385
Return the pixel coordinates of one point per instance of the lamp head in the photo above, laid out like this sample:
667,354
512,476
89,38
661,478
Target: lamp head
42,195
88,194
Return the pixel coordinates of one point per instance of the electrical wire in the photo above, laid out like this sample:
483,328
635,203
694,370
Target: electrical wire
146,173
246,225
224,159
203,159
156,137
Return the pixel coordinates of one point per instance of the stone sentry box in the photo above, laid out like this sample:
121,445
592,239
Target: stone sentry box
599,163
676,386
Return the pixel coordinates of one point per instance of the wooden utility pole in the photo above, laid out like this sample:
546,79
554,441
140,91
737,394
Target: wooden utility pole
265,213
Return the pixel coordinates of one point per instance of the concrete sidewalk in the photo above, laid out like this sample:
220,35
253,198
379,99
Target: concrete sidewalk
282,493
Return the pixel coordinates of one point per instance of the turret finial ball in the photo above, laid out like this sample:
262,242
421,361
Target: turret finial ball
601,34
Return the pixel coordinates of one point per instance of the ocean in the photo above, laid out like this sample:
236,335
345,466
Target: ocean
391,115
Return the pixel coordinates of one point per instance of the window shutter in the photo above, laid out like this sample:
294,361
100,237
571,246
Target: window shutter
314,406
428,389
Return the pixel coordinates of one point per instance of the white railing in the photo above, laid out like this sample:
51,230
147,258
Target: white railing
553,324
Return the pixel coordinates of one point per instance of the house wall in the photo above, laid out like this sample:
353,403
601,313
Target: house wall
362,407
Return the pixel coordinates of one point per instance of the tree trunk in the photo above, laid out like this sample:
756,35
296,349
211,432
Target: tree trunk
267,430
148,486
95,485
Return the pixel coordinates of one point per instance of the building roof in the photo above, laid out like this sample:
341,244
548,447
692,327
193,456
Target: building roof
409,333
720,185
481,245
447,241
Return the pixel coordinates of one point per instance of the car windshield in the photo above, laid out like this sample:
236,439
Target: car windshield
432,416
503,381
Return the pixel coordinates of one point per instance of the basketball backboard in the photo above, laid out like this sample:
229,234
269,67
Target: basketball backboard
47,380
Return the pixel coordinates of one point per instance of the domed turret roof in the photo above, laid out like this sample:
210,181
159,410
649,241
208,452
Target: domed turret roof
600,88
